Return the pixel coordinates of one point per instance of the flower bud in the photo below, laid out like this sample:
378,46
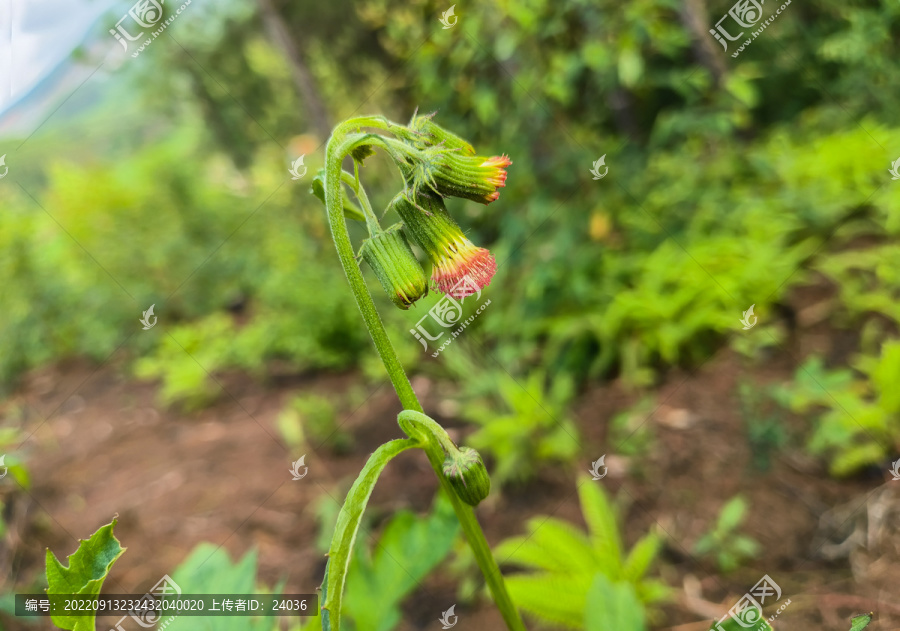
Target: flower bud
427,133
467,475
399,272
453,257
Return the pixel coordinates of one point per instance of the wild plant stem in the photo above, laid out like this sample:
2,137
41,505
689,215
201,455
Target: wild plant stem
334,154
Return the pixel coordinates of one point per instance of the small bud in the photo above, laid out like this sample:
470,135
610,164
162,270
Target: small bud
399,272
447,164
467,475
452,255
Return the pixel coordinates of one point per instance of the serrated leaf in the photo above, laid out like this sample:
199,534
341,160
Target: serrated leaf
601,520
613,606
552,544
858,623
348,525
641,556
558,598
88,567
408,549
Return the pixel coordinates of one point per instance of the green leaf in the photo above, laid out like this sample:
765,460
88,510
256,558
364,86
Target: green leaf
348,525
732,514
209,570
84,576
858,623
613,606
601,520
408,549
641,556
558,598
731,624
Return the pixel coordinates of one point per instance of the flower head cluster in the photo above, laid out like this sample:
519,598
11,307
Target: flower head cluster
435,163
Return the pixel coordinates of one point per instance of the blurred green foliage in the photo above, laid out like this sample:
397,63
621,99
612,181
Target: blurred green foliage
723,542
564,563
857,419
731,182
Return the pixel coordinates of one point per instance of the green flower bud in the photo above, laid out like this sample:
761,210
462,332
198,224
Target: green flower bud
427,133
390,257
467,475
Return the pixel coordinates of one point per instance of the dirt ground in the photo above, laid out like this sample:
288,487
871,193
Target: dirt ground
221,475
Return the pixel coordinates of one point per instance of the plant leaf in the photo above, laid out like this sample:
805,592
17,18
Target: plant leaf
858,623
348,525
641,556
601,520
613,606
87,569
408,549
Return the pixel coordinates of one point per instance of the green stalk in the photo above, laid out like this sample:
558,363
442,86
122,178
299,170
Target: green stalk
334,154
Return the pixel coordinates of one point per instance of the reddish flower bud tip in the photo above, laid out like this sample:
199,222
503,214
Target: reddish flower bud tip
476,266
497,161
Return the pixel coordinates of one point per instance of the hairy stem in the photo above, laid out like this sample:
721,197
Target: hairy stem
334,153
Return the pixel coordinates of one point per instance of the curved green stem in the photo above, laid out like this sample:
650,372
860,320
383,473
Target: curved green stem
334,153
410,419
